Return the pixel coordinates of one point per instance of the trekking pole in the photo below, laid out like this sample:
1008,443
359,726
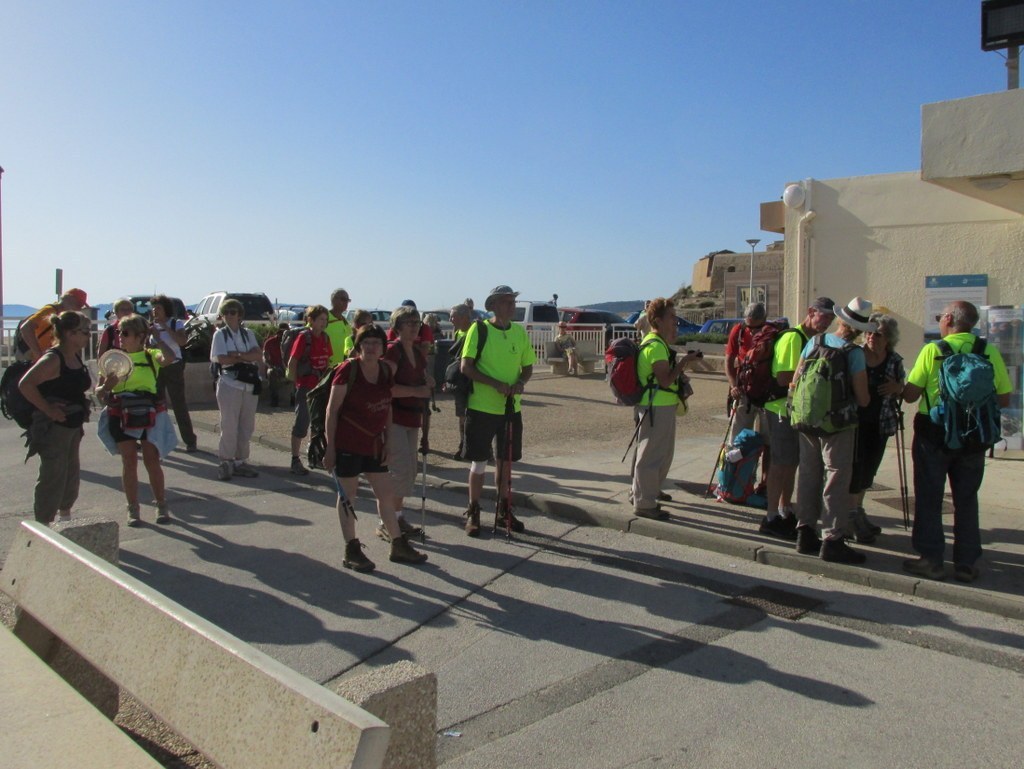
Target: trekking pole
346,503
721,452
636,432
901,467
510,406
423,500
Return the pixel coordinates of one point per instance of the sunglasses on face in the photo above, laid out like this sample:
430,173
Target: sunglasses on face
229,312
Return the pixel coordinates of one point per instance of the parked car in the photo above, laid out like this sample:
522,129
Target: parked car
381,317
535,312
294,314
683,326
258,308
142,305
725,325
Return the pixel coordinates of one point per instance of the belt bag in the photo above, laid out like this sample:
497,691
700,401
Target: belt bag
137,411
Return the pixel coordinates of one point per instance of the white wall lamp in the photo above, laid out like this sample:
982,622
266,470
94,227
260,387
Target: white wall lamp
991,182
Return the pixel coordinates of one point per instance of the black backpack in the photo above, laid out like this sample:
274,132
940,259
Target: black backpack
13,404
454,380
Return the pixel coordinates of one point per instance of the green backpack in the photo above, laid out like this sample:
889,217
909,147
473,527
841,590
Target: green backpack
822,401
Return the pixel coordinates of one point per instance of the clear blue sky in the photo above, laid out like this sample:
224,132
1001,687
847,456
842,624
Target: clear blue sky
432,150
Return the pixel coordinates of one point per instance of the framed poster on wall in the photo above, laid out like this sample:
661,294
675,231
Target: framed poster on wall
940,290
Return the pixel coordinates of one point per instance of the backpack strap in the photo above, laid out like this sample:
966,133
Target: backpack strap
980,343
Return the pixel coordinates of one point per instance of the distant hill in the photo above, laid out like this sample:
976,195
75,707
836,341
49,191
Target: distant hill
18,310
623,308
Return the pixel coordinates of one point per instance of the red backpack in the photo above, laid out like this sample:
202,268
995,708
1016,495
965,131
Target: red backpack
754,372
620,361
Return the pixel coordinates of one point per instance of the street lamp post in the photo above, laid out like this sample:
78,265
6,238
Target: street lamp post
752,242
1,242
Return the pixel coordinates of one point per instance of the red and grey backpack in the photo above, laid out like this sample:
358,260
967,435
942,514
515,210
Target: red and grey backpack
754,372
621,359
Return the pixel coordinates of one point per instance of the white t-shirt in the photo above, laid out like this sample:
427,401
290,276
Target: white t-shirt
227,341
173,324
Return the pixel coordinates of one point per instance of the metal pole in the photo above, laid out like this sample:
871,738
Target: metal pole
752,242
1012,67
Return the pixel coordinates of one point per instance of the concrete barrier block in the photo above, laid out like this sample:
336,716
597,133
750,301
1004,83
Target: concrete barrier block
199,387
404,696
101,537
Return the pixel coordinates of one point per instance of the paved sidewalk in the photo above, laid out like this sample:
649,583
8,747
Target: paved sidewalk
572,469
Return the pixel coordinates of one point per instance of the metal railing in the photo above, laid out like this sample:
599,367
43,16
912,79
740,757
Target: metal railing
591,339
8,338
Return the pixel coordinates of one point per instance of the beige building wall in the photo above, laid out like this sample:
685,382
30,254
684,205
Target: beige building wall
879,236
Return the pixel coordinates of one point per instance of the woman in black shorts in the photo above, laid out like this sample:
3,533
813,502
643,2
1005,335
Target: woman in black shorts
358,415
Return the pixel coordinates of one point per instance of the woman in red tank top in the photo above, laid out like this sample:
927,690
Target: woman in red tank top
358,415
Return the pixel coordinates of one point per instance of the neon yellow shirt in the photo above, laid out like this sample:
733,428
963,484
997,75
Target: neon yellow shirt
925,373
653,349
788,348
339,331
143,376
506,352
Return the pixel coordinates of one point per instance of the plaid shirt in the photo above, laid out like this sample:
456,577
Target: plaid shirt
889,419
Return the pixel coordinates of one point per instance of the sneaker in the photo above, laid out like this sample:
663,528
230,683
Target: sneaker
133,514
778,527
403,552
473,519
191,448
224,470
66,518
858,527
837,551
163,515
654,513
807,541
245,470
925,567
499,519
298,468
382,532
963,572
354,558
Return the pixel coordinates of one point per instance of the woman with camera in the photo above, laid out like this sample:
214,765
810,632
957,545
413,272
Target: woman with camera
237,352
662,375
136,416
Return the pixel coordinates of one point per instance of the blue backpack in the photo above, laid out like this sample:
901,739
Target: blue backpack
735,481
967,409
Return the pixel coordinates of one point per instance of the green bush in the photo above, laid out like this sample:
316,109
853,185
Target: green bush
703,338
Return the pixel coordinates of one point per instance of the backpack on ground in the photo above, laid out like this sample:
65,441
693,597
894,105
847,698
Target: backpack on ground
620,361
754,372
735,479
316,402
967,408
13,404
454,380
821,403
303,366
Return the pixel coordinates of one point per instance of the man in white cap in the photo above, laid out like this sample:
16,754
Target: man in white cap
827,453
498,357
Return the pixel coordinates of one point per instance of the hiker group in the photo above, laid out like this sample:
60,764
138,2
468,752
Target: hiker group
824,409
818,408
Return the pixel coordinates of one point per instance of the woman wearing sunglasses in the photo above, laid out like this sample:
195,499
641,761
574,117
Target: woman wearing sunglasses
56,386
135,416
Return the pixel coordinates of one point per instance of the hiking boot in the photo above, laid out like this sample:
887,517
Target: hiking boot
133,514
778,527
409,529
354,558
245,470
298,468
224,471
473,519
499,519
664,497
403,552
837,551
163,514
654,513
925,567
860,528
963,572
807,541
191,448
